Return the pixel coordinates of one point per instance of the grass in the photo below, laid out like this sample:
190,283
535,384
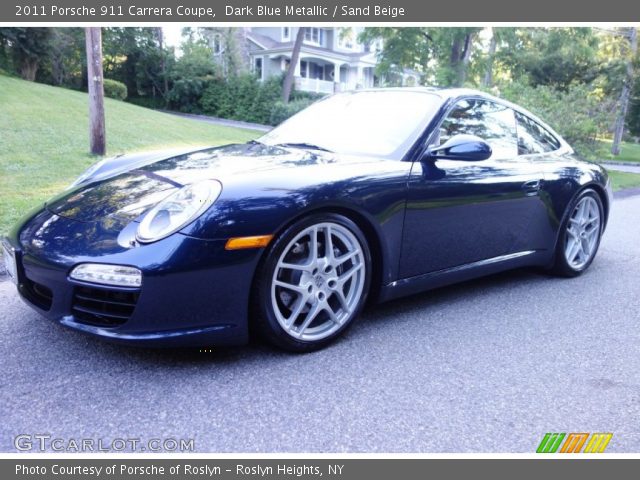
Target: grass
622,180
629,152
44,140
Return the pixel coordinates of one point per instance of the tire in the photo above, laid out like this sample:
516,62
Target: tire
303,302
579,236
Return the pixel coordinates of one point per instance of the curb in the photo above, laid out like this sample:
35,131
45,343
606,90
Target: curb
621,164
225,122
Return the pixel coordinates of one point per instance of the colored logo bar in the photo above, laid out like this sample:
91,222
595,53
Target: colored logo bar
573,442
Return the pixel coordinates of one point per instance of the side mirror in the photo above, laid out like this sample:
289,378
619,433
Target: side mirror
465,148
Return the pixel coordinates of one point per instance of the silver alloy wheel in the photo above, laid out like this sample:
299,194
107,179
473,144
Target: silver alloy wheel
583,232
318,281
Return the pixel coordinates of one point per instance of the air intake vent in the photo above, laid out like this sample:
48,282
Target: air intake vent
37,294
103,307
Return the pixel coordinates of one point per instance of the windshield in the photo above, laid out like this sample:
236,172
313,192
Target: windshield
381,123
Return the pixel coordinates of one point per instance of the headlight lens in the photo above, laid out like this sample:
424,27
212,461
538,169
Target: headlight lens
177,210
117,275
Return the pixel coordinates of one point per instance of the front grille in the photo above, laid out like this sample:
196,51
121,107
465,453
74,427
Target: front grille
37,294
103,307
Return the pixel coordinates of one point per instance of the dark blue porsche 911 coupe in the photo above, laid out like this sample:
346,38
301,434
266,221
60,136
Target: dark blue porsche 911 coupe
363,196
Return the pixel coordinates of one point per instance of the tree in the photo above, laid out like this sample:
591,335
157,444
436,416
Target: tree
633,116
287,86
461,44
66,63
487,80
552,56
442,55
229,47
29,48
163,64
97,136
190,75
134,56
403,48
623,104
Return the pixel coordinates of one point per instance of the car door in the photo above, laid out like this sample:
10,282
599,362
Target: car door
463,212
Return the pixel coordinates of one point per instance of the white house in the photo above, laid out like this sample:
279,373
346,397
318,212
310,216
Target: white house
331,59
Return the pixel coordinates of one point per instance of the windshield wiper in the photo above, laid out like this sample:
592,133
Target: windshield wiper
309,146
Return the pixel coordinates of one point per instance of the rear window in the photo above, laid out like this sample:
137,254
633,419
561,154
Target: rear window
534,138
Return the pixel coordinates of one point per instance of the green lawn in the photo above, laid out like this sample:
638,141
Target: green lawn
621,180
629,152
44,140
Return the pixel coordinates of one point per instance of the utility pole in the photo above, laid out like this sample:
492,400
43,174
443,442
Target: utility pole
627,86
97,136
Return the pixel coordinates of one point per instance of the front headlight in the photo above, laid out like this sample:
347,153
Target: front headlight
178,210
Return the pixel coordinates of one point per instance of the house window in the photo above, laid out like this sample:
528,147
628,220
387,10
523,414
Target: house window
257,67
303,69
286,33
314,35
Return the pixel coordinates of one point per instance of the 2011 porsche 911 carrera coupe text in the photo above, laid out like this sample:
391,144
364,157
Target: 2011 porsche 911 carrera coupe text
364,196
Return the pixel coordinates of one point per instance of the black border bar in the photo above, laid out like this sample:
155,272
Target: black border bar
305,11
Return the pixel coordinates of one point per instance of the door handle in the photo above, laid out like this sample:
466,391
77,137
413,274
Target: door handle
532,187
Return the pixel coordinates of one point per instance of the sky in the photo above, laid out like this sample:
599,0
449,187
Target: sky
172,35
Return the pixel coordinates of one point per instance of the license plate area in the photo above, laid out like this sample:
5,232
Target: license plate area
9,258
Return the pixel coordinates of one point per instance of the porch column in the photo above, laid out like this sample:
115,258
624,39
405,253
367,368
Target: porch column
296,70
336,76
360,77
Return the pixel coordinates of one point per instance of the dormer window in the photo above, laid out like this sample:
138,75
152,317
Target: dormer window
314,35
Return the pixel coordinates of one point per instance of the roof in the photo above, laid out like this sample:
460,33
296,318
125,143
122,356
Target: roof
268,44
453,93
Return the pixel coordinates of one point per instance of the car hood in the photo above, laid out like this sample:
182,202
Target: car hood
128,193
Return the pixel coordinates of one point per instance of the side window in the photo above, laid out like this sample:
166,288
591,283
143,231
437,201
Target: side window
533,138
490,121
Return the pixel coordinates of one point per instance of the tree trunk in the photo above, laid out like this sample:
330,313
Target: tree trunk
459,58
488,73
466,57
295,55
625,94
29,68
163,65
97,137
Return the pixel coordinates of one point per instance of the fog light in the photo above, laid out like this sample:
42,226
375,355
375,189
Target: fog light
117,275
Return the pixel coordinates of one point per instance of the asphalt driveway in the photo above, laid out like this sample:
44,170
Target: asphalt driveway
487,366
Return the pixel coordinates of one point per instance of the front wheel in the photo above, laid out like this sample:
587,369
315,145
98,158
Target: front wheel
580,234
313,282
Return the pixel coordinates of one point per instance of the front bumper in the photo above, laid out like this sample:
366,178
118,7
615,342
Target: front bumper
193,293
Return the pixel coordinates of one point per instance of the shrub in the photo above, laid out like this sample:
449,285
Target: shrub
241,98
114,89
280,111
186,93
148,102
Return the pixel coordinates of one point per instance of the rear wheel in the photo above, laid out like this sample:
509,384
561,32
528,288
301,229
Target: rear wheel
313,283
580,235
